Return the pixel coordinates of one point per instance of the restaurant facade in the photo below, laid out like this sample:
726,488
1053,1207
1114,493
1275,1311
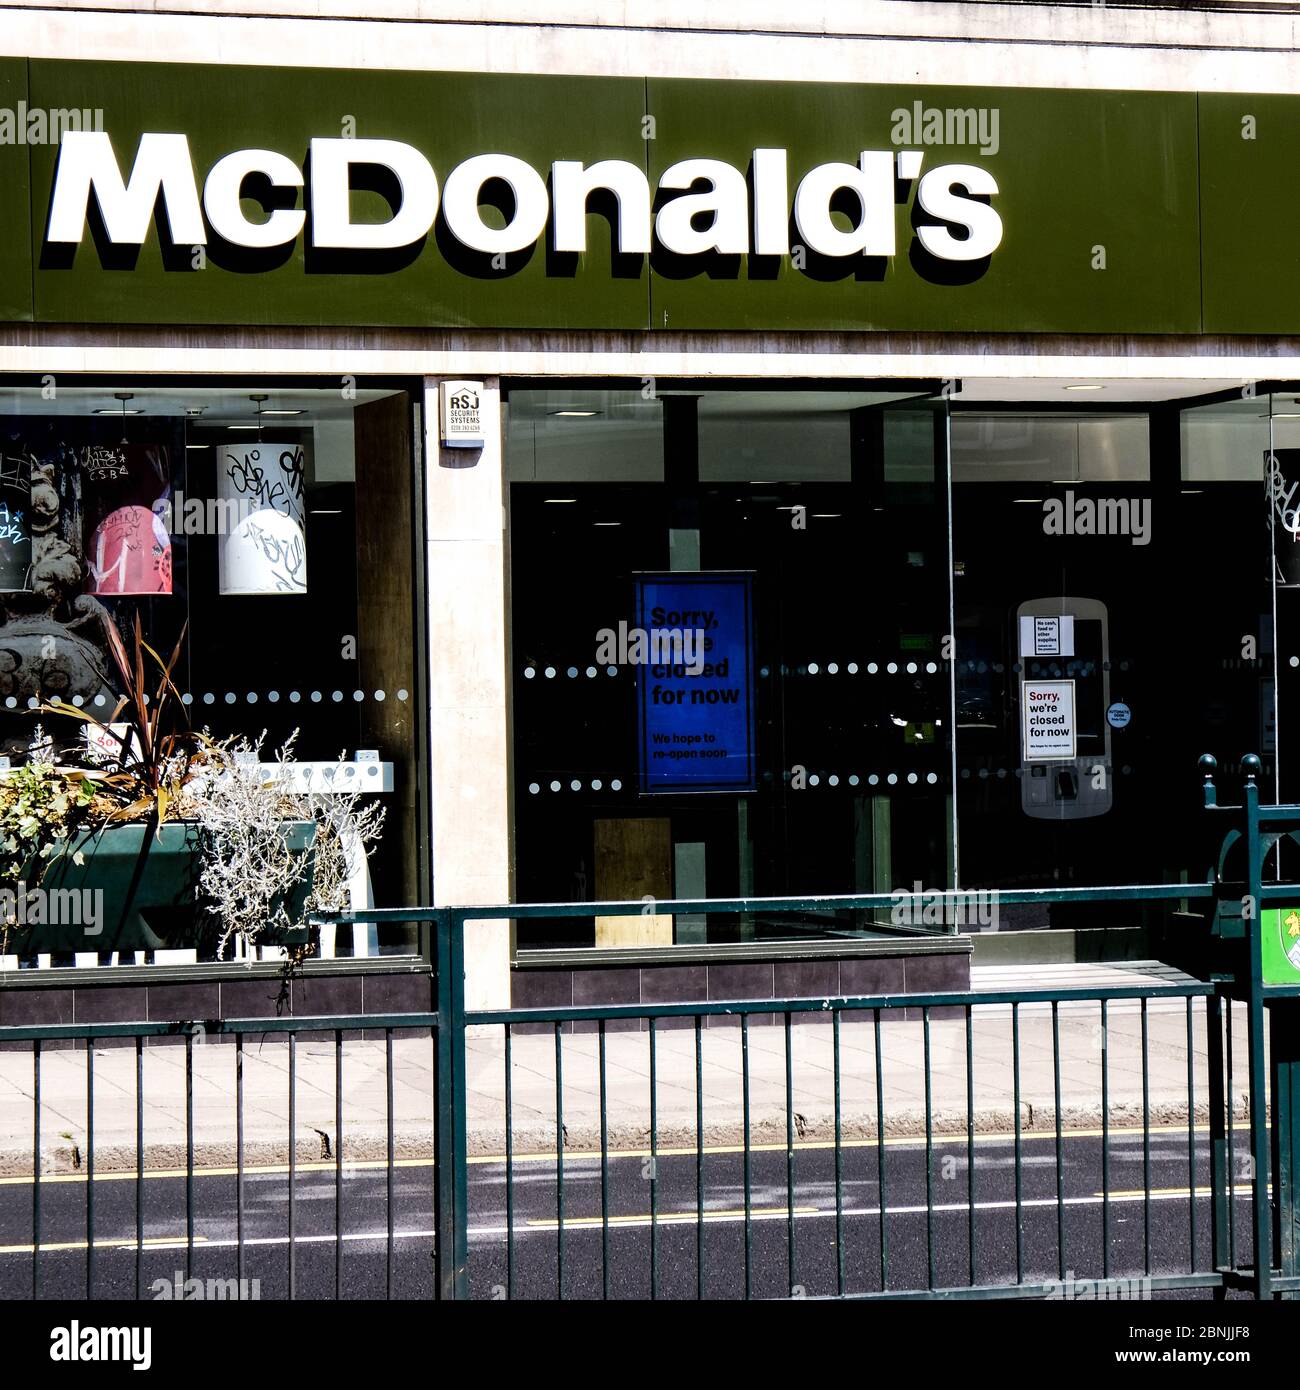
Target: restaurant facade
655,472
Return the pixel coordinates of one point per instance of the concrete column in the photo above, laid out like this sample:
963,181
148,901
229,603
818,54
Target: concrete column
469,662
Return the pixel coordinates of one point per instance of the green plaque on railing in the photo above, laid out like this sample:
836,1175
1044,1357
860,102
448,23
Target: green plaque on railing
1281,926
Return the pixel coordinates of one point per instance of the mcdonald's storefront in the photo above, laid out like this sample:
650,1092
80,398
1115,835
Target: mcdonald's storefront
671,488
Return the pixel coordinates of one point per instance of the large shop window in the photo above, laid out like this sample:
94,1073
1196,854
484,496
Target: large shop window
269,532
1117,559
803,747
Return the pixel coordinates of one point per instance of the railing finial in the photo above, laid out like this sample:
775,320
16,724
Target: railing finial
1251,766
1209,765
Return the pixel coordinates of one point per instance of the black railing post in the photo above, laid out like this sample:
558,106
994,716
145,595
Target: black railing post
1220,1153
451,1218
1262,1222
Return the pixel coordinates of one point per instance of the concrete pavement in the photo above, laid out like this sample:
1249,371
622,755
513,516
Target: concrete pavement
902,1058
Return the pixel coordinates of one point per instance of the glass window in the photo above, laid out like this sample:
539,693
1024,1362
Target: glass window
267,533
828,510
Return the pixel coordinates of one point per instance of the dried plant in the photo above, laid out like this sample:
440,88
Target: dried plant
248,872
156,761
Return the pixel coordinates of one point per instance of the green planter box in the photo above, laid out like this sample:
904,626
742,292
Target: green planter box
138,891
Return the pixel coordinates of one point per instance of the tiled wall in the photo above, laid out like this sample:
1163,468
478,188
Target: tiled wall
238,997
575,987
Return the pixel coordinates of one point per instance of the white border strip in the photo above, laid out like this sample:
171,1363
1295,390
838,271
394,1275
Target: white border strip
167,360
1113,49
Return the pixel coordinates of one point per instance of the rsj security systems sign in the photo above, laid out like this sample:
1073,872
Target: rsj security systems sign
462,414
1048,726
696,715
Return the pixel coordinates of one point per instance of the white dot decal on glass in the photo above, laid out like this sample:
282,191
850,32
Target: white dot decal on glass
965,774
252,697
80,700
833,780
549,673
572,673
273,696
591,673
814,780
11,703
911,668
930,668
530,672
337,697
402,695
616,785
813,668
315,697
555,786
381,696
984,774
833,669
912,779
358,695
596,784
1002,774
932,777
892,779
611,670
533,788
873,780
764,671
853,780
208,698
230,697
575,785
294,697
852,668
872,668
1294,661
892,668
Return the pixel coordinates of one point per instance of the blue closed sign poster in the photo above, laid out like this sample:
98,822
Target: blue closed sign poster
696,686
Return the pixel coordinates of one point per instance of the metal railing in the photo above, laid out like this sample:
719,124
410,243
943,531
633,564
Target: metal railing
89,1239
966,1143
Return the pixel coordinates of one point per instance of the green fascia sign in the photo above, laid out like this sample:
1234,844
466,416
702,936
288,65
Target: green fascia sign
188,194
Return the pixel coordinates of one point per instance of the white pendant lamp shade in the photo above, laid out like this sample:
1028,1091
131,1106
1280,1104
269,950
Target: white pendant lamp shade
264,550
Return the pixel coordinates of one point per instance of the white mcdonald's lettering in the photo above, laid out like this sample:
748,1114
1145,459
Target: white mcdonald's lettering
716,207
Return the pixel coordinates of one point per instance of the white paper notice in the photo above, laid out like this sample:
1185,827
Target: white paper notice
1047,635
1048,715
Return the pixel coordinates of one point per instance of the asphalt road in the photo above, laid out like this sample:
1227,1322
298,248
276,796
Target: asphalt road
1142,1235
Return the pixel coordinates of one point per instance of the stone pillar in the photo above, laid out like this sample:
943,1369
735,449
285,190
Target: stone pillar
469,662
